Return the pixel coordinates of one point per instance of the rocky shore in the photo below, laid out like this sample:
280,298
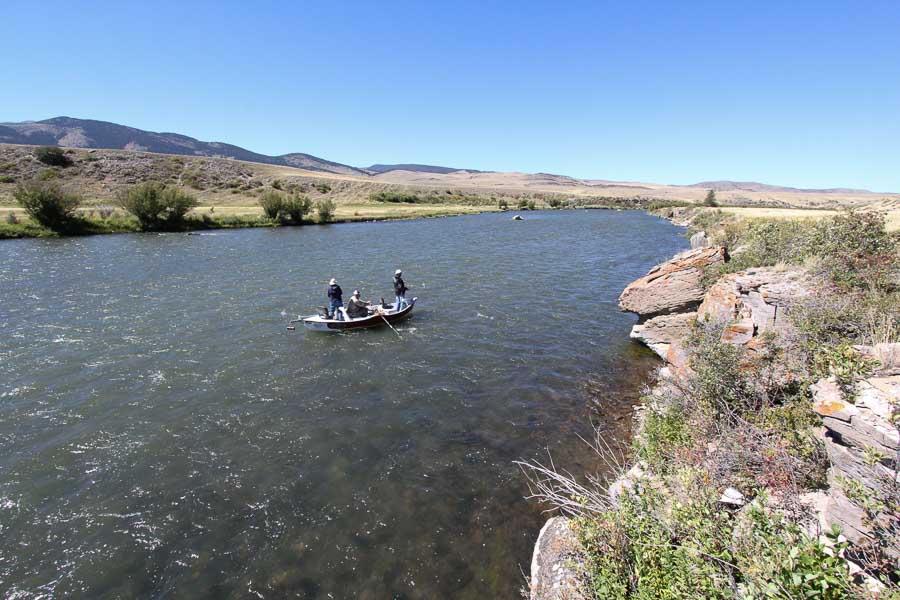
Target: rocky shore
755,306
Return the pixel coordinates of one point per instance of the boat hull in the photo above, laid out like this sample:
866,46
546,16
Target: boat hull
333,326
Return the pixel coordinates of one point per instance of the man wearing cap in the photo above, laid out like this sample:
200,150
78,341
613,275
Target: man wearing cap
399,289
357,308
335,300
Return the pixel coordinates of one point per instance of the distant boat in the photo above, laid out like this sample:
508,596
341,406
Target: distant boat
387,315
518,218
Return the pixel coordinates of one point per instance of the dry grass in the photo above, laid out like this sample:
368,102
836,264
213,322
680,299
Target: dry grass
893,213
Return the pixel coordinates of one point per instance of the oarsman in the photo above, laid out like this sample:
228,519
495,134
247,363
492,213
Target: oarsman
357,308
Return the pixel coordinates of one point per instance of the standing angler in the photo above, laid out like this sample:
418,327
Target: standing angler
335,300
399,289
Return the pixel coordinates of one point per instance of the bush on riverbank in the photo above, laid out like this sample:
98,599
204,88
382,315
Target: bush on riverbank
296,208
272,203
325,210
48,204
447,197
157,206
285,209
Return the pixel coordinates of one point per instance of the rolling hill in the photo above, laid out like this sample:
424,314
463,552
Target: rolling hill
87,133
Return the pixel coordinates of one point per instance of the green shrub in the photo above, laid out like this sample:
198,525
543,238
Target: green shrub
675,542
710,199
7,179
503,204
48,174
325,210
322,188
272,204
156,205
858,249
843,362
396,197
11,218
48,204
277,184
53,156
297,207
719,383
663,433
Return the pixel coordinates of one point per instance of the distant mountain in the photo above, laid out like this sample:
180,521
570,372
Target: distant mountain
417,169
87,133
753,186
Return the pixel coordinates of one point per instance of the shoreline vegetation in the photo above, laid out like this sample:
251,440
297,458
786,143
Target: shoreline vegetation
764,457
96,219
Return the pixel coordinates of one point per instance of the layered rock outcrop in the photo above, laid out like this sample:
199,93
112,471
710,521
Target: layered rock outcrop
754,302
861,442
673,286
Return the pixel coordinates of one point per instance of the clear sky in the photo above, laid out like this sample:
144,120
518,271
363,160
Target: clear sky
793,93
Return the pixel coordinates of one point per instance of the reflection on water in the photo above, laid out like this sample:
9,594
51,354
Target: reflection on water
162,433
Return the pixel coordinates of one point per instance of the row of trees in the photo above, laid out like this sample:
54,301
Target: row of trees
155,205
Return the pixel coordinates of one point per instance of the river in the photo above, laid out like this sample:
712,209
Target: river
163,435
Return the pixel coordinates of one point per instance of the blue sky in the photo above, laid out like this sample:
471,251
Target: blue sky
793,93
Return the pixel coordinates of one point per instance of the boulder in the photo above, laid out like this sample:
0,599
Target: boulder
673,286
699,240
556,570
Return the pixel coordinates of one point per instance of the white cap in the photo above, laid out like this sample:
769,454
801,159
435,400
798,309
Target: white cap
398,272
332,282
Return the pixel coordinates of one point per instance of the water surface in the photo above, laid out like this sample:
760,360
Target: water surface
163,435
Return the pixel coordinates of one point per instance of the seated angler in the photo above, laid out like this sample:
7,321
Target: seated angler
356,308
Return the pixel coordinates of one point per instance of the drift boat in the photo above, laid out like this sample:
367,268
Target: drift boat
383,315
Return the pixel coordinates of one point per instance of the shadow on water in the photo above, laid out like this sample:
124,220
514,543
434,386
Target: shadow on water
161,433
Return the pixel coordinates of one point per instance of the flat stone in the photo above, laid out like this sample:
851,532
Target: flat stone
829,402
733,497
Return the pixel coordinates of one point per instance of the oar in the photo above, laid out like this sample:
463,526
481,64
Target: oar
391,326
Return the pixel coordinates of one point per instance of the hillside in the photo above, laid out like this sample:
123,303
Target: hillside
753,186
415,168
87,133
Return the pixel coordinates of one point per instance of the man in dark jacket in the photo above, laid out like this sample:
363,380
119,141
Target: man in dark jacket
335,300
399,289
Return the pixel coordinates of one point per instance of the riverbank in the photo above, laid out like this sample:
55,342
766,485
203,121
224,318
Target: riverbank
765,454
102,220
